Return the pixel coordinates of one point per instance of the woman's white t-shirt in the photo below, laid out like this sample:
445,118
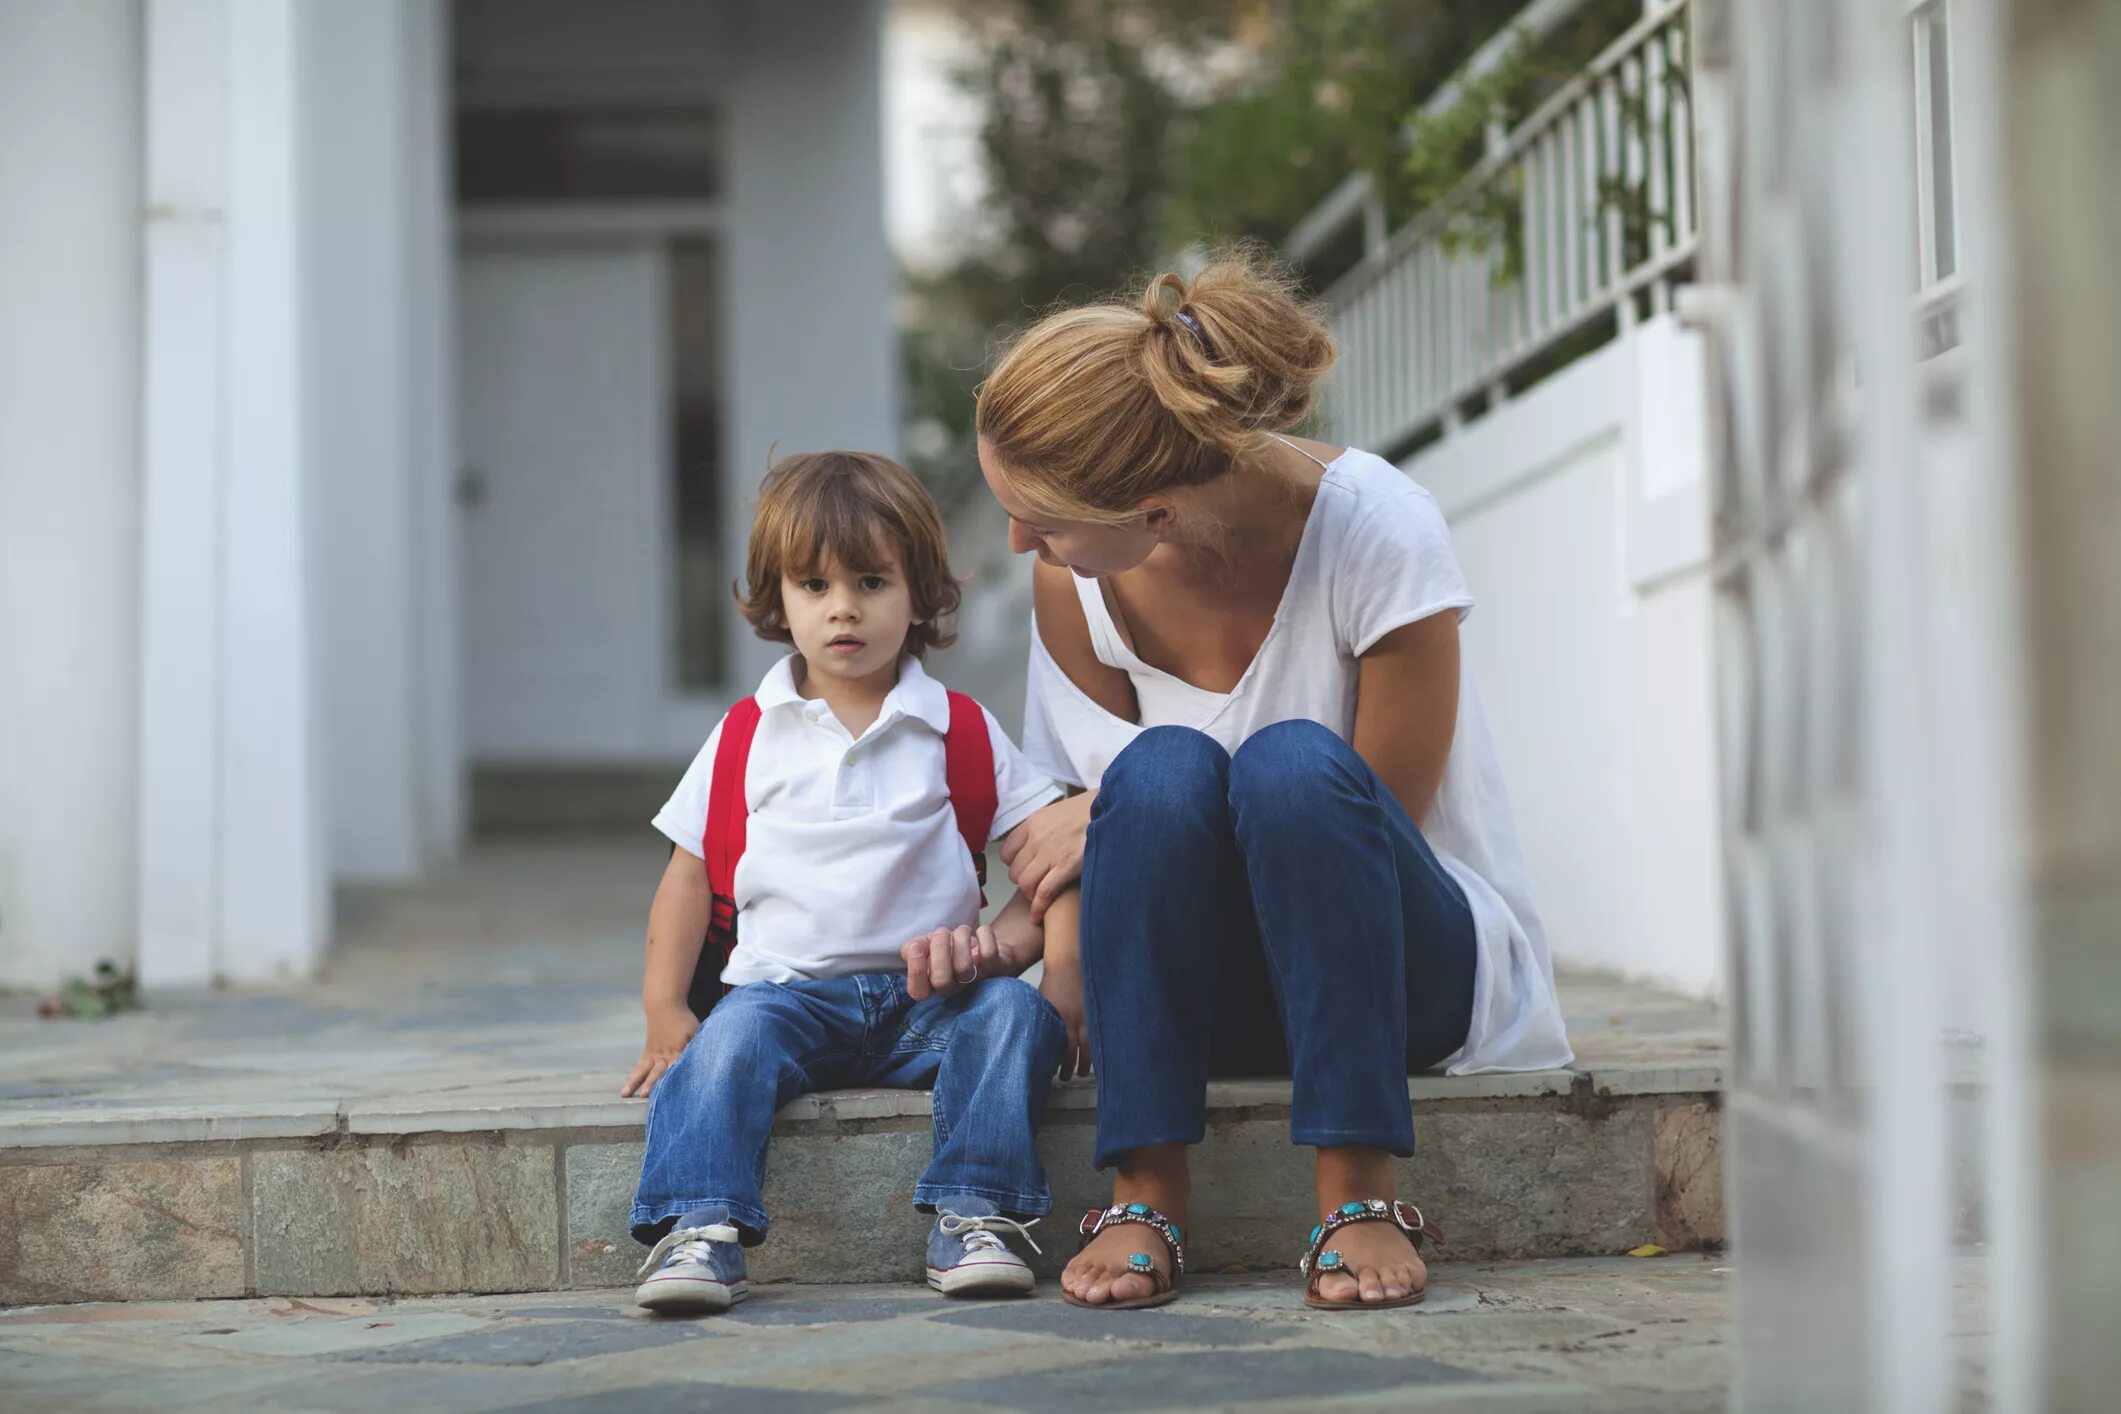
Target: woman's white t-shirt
1375,555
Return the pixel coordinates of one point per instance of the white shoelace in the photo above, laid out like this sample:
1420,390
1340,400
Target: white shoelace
981,1233
683,1240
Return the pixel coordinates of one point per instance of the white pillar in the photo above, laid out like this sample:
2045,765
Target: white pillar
439,773
808,269
233,879
358,265
69,475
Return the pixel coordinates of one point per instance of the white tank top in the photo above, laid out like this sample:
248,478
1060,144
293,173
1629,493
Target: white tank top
1375,555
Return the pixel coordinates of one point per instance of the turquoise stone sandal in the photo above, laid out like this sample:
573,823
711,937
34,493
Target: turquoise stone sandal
1316,1264
1164,1287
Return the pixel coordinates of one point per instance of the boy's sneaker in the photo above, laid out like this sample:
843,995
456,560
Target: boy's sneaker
697,1270
966,1254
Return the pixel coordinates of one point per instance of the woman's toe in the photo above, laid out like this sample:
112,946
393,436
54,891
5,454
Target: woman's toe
1131,1287
1338,1287
1373,1287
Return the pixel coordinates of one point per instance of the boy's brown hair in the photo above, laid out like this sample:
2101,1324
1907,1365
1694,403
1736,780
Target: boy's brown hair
852,509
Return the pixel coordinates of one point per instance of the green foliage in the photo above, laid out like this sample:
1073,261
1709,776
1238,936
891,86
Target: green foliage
108,992
1081,99
1333,80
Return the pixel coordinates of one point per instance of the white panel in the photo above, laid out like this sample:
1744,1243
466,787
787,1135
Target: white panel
69,437
564,407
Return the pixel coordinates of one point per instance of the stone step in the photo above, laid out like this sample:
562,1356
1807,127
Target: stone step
529,1190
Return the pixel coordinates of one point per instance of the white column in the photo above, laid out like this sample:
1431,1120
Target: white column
439,773
358,270
233,879
69,475
814,361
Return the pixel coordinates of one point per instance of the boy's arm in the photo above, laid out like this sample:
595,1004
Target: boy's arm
677,928
1019,941
1062,983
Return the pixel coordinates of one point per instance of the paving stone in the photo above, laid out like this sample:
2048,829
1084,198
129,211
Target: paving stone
539,1342
798,1306
121,1231
1048,1315
412,1218
842,1207
599,1249
689,1398
1689,1170
1189,1381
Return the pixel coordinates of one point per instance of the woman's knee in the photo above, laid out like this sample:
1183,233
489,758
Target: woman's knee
1292,764
1166,768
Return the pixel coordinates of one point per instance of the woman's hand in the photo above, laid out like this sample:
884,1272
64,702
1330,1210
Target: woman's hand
670,1030
1062,985
1045,853
947,961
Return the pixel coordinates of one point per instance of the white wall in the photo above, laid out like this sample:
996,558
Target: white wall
69,484
813,351
1579,515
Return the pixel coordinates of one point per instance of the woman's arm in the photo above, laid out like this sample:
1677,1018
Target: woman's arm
1406,708
1062,981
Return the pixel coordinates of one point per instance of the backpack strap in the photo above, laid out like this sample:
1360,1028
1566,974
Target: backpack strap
968,767
722,845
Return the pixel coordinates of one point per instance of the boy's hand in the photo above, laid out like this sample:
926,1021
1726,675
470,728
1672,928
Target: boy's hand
947,961
670,1029
1062,985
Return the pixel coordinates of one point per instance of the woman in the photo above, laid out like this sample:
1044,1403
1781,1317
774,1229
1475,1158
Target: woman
1295,852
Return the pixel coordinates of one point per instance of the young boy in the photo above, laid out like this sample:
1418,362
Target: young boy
851,845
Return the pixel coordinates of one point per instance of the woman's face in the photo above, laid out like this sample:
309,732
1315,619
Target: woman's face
1090,549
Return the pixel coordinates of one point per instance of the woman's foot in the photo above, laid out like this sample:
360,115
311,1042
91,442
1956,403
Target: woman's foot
1099,1274
1382,1264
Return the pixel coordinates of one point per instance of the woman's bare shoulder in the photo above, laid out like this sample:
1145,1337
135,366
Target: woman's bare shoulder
1065,630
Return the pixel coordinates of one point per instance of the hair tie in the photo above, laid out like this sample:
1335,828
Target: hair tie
1193,324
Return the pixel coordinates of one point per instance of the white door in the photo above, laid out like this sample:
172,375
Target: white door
562,372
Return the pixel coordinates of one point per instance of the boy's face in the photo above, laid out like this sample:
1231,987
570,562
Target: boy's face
849,624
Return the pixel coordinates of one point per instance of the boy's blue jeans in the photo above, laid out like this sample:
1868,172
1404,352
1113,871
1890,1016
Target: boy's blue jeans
1275,913
989,1053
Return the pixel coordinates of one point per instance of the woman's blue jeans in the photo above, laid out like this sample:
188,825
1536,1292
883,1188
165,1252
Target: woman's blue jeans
1272,913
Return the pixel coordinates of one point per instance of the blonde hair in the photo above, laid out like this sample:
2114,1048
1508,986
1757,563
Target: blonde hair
850,509
1093,408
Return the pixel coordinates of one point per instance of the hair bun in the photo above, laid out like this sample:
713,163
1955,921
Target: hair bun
1236,352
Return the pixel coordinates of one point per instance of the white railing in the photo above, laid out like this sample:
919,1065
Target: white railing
1581,210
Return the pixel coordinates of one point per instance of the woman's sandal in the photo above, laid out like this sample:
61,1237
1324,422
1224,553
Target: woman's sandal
1316,1264
1164,1287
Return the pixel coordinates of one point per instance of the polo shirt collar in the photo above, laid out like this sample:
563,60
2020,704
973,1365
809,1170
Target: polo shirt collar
917,695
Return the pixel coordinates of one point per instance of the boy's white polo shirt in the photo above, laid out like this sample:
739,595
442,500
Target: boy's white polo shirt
852,846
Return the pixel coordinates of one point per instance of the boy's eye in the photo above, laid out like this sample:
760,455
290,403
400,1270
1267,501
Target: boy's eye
814,585
872,582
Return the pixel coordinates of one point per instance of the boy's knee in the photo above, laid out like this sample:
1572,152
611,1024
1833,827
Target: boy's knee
1013,1005
737,1033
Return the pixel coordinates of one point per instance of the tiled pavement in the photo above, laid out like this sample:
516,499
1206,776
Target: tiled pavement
1577,1335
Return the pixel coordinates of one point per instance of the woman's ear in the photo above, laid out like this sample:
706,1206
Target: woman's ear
1158,516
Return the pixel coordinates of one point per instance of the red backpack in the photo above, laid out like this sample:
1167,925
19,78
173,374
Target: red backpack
968,769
